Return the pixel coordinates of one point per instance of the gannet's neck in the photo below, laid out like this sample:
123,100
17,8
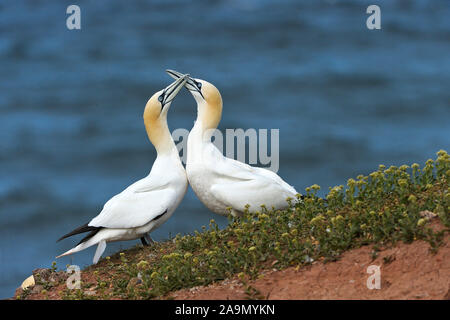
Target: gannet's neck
199,133
209,113
199,140
159,135
208,117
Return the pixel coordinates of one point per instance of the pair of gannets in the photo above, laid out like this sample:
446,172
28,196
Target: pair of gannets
223,185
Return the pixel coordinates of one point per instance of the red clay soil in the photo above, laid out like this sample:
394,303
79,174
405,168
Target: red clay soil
407,271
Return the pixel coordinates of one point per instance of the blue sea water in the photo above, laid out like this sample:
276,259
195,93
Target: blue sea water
345,99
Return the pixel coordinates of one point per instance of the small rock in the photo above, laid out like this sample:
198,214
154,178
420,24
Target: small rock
28,282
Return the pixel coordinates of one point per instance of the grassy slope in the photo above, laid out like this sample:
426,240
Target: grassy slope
380,209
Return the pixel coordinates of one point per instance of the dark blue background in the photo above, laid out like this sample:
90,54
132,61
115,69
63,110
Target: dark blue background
71,132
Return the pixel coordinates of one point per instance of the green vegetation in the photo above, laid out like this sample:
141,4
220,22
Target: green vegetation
389,205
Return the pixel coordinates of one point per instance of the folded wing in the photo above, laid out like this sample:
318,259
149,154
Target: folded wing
237,184
135,207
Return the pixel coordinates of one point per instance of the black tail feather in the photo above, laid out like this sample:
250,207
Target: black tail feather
90,235
82,229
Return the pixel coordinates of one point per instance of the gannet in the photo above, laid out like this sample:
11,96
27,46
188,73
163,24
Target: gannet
221,183
148,203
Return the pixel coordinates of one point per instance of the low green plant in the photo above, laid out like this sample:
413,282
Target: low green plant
379,209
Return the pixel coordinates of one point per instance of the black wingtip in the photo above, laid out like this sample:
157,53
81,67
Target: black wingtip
82,229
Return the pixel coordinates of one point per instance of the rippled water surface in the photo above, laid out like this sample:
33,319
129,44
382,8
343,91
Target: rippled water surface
71,132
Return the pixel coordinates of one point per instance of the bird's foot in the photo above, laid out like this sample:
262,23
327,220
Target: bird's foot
144,242
146,239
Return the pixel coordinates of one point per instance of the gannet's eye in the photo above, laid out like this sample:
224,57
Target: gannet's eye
199,85
161,97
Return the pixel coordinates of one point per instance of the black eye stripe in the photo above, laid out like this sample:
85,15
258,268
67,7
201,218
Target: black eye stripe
197,84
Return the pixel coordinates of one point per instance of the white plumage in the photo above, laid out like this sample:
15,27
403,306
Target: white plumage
149,202
220,182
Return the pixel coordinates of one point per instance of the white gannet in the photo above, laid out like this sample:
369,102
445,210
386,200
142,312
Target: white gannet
221,183
149,202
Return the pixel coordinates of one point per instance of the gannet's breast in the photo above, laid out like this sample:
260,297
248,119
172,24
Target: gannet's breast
200,181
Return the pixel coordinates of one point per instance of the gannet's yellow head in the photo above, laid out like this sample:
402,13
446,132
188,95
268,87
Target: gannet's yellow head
208,98
155,112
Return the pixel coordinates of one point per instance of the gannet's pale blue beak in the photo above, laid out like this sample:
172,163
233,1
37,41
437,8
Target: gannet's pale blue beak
191,84
170,92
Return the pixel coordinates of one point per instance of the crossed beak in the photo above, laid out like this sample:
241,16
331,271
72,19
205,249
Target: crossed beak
170,92
191,84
